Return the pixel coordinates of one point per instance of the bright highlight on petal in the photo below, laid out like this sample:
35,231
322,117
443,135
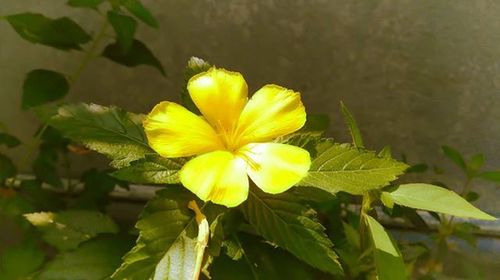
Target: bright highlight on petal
220,95
218,176
275,167
272,111
174,131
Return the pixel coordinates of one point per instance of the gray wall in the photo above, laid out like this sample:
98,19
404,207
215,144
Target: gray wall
416,74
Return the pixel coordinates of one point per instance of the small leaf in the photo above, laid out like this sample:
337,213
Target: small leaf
283,220
20,261
61,33
9,140
433,198
493,176
455,156
45,167
471,196
124,27
475,163
194,66
136,8
388,259
341,167
466,231
95,259
67,229
138,54
153,169
352,235
92,4
385,152
42,86
352,125
7,168
418,168
107,130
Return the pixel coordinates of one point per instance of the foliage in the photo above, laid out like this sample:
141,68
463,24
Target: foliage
309,232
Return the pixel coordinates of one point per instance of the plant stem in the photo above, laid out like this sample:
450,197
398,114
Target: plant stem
365,207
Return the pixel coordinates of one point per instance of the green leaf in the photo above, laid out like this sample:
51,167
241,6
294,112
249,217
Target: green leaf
136,8
418,168
385,152
43,200
153,169
493,176
194,66
342,167
466,231
283,220
96,187
8,140
388,259
433,198
124,27
455,156
95,259
42,86
45,167
20,261
138,54
62,33
67,229
7,168
107,130
475,163
92,4
352,235
352,125
167,233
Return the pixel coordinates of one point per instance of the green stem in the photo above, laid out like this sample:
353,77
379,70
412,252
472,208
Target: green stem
365,207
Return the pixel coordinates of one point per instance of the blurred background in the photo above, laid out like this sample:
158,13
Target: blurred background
416,74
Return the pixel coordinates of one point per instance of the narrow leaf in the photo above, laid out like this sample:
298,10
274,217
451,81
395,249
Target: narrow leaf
42,86
283,220
493,176
61,33
92,4
9,140
352,125
341,167
433,198
107,130
124,27
388,259
136,8
138,54
151,170
455,156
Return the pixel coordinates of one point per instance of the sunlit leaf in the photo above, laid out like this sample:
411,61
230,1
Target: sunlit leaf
388,260
357,139
153,169
138,54
433,198
61,33
341,167
42,86
124,27
283,220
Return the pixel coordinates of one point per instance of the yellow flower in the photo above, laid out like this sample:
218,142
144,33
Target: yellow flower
232,139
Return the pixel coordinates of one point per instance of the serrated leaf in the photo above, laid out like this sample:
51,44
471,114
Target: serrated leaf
95,259
61,33
283,220
437,199
357,139
388,260
153,169
7,168
124,27
455,156
136,8
93,4
138,54
20,261
194,66
67,229
42,86
8,140
493,176
167,229
341,167
107,130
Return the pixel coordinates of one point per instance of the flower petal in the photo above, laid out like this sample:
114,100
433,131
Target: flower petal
275,167
272,111
220,95
217,176
173,131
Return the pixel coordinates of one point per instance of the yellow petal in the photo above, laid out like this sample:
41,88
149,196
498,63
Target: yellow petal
275,167
218,176
272,111
173,131
220,95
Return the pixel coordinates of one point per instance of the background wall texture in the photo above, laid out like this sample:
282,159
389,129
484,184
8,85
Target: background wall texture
416,74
